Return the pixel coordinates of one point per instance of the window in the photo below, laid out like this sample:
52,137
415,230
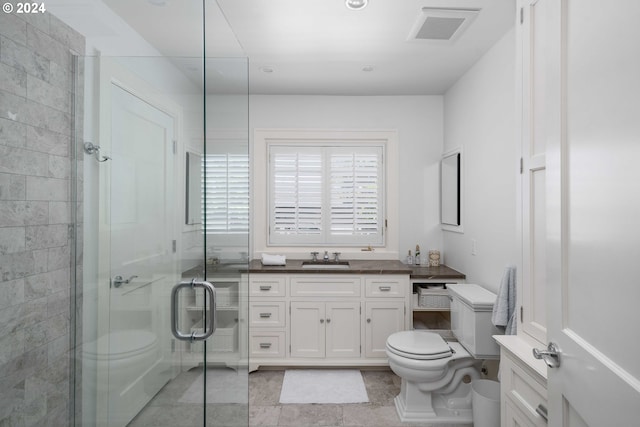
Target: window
225,193
326,194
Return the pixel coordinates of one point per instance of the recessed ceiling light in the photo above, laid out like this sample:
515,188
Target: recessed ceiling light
266,69
356,4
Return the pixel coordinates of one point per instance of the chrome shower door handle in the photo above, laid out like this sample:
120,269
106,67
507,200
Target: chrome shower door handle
210,313
551,355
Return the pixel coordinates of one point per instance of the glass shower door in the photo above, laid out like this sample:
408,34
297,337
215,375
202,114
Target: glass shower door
145,228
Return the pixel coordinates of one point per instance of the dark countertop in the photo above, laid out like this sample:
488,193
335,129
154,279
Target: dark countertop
361,267
440,272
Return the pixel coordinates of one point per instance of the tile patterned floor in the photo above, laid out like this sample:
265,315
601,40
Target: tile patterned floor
264,409
382,387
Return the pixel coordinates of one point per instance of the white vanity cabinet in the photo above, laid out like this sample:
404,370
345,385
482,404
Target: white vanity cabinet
385,312
267,316
523,384
329,319
320,329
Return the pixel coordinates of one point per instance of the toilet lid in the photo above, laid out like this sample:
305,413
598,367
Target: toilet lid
418,345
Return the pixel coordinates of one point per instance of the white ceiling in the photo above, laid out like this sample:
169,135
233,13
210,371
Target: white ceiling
320,46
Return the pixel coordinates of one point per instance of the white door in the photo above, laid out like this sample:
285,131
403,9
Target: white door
138,263
593,149
343,329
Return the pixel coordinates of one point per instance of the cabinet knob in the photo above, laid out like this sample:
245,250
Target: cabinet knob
328,320
321,320
368,320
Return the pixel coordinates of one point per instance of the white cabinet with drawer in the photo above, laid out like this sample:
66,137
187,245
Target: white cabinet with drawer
523,384
267,314
325,319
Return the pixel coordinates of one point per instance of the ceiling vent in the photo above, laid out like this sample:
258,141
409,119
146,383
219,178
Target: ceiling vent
442,25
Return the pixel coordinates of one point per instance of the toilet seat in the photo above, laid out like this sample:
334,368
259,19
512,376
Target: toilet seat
121,345
418,345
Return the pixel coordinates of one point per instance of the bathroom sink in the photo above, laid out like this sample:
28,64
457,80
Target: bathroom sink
340,265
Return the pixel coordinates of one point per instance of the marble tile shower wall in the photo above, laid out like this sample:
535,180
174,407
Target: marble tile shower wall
35,213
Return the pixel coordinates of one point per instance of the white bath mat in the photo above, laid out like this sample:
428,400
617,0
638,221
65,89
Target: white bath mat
323,386
223,386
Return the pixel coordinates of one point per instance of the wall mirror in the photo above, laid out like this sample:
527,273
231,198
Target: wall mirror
193,199
451,191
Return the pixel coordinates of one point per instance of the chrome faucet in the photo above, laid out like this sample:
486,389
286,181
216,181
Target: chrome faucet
336,256
314,256
326,256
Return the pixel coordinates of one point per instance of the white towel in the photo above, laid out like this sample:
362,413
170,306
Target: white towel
504,309
268,259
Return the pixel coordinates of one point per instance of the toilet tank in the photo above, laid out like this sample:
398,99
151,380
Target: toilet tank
471,309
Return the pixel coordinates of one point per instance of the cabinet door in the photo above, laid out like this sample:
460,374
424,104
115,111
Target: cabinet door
343,329
514,418
382,319
307,329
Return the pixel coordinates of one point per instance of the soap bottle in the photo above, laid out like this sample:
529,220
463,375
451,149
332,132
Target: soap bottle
409,258
417,257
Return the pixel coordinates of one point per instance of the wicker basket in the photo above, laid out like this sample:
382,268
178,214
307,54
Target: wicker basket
433,298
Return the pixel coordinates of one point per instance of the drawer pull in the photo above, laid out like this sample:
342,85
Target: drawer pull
265,345
265,287
384,288
542,411
265,315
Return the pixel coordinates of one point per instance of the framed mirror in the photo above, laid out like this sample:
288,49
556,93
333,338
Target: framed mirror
451,190
193,199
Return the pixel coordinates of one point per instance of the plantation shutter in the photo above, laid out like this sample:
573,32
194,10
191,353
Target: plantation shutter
226,185
297,192
325,195
355,175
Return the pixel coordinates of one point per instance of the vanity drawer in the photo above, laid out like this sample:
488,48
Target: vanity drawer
267,344
267,314
267,286
385,287
524,392
325,286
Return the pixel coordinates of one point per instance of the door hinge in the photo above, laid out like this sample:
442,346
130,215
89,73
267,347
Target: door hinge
175,146
521,165
521,314
522,15
174,246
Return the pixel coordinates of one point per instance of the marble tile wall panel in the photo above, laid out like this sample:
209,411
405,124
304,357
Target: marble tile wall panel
36,207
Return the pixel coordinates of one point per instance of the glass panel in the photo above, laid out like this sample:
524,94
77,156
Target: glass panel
136,246
225,222
135,120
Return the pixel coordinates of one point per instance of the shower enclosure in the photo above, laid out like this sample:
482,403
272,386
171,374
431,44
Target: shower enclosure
161,178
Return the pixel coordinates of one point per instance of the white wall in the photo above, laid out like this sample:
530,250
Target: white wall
418,121
479,115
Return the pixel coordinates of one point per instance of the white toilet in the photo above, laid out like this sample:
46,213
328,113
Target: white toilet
435,374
